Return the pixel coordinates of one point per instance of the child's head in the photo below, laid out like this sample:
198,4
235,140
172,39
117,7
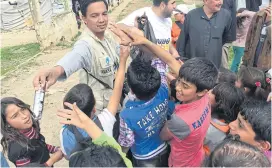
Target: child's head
226,100
82,95
92,156
227,76
196,77
16,116
233,153
240,20
143,79
253,81
253,124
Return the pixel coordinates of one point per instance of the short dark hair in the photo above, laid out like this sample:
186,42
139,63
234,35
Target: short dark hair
97,156
143,79
83,95
85,3
228,101
158,2
226,75
258,114
234,153
200,72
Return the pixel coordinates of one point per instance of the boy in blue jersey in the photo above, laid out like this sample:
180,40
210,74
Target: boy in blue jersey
142,119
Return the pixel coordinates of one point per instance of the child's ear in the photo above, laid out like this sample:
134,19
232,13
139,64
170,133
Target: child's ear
202,93
265,145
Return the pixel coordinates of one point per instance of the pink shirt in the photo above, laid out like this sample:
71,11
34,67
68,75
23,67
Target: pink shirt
188,126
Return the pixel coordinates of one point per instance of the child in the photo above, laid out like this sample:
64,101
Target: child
233,153
254,82
103,150
188,125
82,95
21,136
253,125
225,100
227,76
244,18
142,119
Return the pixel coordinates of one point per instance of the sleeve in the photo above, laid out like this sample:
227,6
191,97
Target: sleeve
126,136
52,149
245,59
227,35
106,140
183,38
78,58
161,67
178,127
62,142
4,162
107,121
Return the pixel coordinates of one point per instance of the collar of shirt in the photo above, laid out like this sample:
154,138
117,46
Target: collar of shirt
138,103
31,133
204,16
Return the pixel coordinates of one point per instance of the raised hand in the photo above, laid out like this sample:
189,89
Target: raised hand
125,40
75,116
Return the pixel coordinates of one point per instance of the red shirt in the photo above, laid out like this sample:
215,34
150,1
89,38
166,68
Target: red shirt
188,126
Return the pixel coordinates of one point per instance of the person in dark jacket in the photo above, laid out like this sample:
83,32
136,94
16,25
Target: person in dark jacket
229,5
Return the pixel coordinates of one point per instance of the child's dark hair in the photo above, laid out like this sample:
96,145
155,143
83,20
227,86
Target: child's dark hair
227,76
97,156
234,153
258,115
240,19
85,3
228,101
83,95
9,133
199,71
143,79
254,79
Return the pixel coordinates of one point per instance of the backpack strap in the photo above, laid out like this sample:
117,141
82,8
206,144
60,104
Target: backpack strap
75,131
100,81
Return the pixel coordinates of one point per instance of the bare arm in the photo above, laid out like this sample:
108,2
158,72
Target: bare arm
119,81
164,134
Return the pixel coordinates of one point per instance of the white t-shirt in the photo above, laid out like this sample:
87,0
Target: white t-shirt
161,26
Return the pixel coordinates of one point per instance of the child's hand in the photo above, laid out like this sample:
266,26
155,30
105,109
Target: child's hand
269,98
124,52
75,117
125,40
57,156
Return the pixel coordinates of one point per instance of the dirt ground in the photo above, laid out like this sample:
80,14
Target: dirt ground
19,84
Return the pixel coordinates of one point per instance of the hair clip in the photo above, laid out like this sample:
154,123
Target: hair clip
258,84
268,80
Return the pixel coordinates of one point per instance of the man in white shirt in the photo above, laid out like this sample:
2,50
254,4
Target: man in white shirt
159,16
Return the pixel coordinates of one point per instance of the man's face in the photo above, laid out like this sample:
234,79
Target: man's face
242,128
168,8
213,5
96,17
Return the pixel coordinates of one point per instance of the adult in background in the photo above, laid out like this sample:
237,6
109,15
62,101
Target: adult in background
258,41
230,5
179,13
206,29
159,16
251,5
95,54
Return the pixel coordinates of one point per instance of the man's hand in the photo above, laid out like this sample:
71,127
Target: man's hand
47,77
125,40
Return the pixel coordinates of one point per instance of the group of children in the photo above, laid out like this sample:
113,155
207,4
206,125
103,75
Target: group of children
204,117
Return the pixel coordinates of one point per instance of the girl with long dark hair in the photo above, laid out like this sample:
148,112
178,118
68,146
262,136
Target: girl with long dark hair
22,141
